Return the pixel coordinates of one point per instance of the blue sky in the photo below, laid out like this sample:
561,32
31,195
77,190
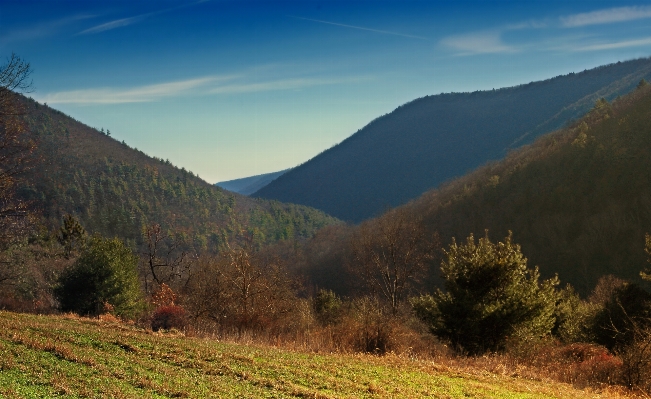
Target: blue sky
233,89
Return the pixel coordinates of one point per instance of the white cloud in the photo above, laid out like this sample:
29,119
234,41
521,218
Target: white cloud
118,23
616,45
199,86
477,43
607,16
146,93
386,32
41,30
281,84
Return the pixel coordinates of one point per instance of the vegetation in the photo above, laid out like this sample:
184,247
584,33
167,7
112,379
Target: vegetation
46,356
577,200
114,190
490,296
209,272
389,255
431,140
105,277
16,148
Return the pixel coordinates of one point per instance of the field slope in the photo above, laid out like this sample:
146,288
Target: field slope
50,356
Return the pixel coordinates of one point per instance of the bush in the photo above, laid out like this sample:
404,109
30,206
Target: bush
636,358
104,273
627,312
573,317
589,364
490,296
168,317
327,307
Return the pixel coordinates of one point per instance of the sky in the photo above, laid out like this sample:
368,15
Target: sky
233,89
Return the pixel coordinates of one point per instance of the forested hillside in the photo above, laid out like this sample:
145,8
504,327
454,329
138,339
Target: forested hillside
428,141
115,190
577,200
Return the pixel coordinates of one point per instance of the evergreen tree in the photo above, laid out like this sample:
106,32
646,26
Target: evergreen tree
490,296
71,235
104,276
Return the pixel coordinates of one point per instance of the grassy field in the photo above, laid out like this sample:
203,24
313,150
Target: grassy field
52,356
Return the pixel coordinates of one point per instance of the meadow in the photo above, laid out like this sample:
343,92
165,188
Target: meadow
67,356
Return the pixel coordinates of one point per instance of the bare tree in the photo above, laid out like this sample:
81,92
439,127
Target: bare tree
16,145
16,149
241,290
165,259
246,282
390,254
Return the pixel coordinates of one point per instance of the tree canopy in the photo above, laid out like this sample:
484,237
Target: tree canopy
104,277
490,296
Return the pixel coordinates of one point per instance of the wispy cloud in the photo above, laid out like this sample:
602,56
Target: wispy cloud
119,23
607,16
231,84
281,84
616,45
146,93
386,32
41,30
477,43
530,24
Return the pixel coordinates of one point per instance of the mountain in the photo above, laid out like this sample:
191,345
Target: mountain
116,190
578,200
249,185
428,141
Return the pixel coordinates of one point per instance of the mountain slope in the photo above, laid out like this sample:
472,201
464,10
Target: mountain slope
428,141
251,184
577,200
115,190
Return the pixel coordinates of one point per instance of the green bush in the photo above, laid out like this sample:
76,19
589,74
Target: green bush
573,317
105,273
491,296
327,307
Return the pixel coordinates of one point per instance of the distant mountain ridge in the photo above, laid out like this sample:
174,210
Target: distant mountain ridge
433,139
251,184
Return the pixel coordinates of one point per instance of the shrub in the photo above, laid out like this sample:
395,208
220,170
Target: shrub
636,358
168,317
104,273
327,306
627,312
490,296
573,317
590,364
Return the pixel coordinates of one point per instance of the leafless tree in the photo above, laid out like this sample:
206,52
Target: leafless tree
164,257
240,290
390,254
16,150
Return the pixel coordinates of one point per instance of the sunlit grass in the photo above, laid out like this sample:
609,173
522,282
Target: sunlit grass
48,356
